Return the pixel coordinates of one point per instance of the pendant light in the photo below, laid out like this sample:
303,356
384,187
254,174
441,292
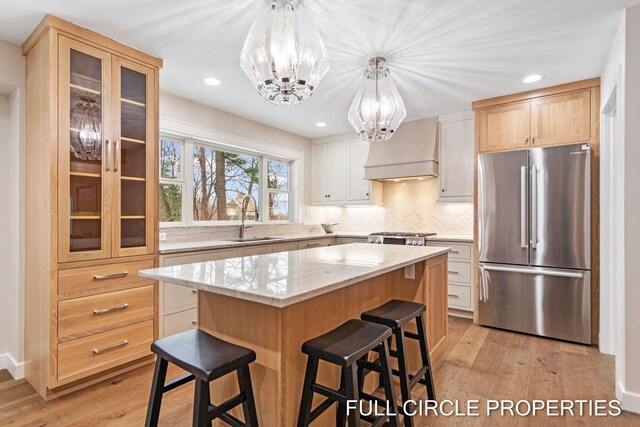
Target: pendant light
377,109
85,121
283,55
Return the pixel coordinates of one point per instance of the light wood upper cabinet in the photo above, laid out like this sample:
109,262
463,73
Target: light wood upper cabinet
561,119
106,190
84,179
505,127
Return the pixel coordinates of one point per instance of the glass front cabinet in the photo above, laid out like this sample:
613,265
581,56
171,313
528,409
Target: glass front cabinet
91,184
106,154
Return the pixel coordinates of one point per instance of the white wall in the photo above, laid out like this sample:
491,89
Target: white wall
12,223
622,73
632,211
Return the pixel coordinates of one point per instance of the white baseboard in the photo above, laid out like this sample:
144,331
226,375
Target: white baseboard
15,368
630,400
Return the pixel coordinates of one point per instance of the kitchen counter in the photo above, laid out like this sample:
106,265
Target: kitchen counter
273,303
169,248
286,278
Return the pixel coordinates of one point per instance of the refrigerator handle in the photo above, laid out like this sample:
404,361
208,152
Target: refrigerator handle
523,207
543,272
534,207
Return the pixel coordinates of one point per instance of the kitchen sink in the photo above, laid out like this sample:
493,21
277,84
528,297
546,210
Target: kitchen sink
252,239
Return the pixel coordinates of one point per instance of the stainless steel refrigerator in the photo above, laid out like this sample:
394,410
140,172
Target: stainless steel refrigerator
534,241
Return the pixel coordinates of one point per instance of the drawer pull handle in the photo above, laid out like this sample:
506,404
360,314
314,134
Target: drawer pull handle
110,276
194,291
454,252
193,322
453,296
453,272
109,310
113,347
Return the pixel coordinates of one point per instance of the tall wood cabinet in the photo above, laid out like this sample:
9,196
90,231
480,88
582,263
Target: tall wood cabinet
91,202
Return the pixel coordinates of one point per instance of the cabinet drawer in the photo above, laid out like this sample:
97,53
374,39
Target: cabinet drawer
176,297
458,251
284,247
86,280
257,250
460,297
317,243
83,316
180,322
95,353
460,272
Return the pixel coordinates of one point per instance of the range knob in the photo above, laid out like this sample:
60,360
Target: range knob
370,239
380,240
420,243
408,242
414,243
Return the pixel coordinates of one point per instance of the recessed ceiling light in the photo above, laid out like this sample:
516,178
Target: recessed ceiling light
321,124
532,78
212,81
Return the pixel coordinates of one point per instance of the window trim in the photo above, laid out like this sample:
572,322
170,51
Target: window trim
237,145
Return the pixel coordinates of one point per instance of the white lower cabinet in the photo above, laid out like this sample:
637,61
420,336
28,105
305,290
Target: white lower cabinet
180,321
461,280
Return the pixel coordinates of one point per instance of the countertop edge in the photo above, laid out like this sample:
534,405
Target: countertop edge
222,244
285,302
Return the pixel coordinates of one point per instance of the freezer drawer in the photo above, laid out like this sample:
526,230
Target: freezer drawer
549,302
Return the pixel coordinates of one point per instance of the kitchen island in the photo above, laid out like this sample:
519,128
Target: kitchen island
273,303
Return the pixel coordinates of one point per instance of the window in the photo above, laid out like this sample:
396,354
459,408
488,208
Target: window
171,180
201,182
278,190
220,181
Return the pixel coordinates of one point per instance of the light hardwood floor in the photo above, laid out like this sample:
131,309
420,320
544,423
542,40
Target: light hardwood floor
477,363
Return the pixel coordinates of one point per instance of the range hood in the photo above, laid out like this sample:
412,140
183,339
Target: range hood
411,153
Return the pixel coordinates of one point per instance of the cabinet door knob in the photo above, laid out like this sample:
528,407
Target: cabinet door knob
533,139
526,140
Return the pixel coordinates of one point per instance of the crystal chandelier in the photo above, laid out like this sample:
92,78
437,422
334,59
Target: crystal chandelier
283,55
377,110
87,144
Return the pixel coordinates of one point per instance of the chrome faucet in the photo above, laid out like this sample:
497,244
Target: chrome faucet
244,204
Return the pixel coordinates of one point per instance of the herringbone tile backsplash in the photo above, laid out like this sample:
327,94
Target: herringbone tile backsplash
408,206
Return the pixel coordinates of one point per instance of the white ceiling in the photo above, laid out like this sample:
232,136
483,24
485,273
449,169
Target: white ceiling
442,54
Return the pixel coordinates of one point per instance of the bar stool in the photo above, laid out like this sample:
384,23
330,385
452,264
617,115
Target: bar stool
347,346
396,314
206,358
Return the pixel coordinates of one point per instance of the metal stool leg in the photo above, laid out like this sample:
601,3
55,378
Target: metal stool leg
426,360
249,404
201,405
157,390
405,391
304,416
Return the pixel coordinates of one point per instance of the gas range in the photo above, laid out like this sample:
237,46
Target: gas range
397,238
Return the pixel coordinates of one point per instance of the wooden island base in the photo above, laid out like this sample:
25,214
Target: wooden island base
276,335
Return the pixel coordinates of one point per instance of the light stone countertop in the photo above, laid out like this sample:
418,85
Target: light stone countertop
286,278
169,248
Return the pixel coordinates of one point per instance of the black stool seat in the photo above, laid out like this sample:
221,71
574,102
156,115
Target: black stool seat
205,358
203,355
347,343
394,313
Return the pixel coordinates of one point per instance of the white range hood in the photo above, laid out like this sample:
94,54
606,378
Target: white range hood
411,153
